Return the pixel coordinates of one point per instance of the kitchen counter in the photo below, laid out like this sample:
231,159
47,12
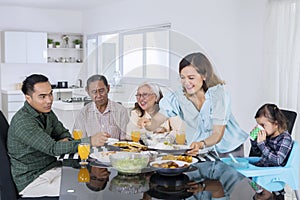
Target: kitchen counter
67,106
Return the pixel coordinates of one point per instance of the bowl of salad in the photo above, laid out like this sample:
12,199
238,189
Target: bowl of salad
129,162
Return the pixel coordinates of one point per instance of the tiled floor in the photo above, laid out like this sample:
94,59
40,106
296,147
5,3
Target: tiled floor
290,194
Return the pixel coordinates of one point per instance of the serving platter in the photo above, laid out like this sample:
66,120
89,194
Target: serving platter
193,161
176,149
183,166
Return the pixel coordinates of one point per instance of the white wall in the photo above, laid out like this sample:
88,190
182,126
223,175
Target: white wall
230,31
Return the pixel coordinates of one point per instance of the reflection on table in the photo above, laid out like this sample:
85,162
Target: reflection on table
206,180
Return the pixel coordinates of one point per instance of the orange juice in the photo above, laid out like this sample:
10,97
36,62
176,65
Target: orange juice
84,150
135,135
83,175
180,138
77,134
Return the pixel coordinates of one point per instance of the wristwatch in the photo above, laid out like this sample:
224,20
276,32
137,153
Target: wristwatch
204,143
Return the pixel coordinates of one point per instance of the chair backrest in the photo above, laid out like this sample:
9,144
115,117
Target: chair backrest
291,118
7,186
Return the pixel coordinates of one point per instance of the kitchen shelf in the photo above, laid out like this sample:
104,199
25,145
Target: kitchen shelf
64,54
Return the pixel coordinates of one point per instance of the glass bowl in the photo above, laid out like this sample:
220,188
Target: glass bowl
128,162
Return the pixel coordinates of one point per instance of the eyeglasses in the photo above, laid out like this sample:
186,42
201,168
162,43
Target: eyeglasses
100,91
144,95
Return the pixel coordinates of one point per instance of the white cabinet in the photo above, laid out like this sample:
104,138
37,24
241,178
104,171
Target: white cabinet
25,47
12,101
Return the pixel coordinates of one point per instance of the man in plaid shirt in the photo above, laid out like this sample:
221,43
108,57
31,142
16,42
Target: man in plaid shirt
36,137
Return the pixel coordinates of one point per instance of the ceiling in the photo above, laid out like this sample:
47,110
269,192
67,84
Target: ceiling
58,4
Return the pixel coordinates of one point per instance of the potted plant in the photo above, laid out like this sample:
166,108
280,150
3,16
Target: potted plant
57,44
77,43
50,43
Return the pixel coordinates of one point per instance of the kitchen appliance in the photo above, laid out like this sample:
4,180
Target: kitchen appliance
62,84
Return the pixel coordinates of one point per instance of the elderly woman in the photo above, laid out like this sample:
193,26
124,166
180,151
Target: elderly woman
148,96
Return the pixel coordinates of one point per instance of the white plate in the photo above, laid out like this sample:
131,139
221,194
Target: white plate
194,160
170,171
177,149
206,150
102,156
112,140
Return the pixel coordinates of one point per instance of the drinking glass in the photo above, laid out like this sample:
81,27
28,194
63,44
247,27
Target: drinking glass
77,134
135,135
83,175
83,152
180,138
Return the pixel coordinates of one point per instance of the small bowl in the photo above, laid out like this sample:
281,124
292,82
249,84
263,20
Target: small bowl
129,163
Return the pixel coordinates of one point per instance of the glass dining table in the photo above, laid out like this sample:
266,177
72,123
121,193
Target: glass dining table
209,178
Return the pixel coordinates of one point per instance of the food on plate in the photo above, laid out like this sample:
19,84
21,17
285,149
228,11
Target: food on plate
130,146
128,162
188,159
169,165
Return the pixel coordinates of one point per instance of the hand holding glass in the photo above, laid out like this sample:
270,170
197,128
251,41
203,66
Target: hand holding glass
77,134
135,135
83,152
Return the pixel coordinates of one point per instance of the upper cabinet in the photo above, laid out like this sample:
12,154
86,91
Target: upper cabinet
24,47
65,48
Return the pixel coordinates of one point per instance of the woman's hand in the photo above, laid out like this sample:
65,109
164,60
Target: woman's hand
143,122
160,130
195,148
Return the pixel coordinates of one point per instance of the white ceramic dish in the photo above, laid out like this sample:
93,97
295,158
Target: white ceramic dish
172,149
194,160
102,156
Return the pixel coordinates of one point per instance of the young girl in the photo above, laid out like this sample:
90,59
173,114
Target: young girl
274,143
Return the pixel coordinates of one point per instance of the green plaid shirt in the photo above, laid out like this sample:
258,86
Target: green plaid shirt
32,144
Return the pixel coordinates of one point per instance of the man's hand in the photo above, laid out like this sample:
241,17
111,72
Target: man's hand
99,139
64,140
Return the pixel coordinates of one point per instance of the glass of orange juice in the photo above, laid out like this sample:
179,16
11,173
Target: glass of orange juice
83,175
83,152
77,134
135,135
180,138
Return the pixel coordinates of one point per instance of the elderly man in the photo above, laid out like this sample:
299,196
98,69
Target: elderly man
102,115
36,137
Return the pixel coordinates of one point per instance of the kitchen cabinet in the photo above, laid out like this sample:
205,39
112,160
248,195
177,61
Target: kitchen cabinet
12,101
66,52
25,47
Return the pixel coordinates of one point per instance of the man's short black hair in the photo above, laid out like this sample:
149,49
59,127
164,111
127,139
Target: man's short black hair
30,81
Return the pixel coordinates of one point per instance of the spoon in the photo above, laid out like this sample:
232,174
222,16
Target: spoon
233,158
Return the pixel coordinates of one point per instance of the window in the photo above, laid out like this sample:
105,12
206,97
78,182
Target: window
136,54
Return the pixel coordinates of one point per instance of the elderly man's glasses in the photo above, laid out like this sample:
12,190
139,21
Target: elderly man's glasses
144,95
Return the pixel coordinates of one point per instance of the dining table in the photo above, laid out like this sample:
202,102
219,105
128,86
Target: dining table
208,178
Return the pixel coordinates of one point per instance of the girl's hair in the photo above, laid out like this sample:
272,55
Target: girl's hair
155,89
203,66
274,114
